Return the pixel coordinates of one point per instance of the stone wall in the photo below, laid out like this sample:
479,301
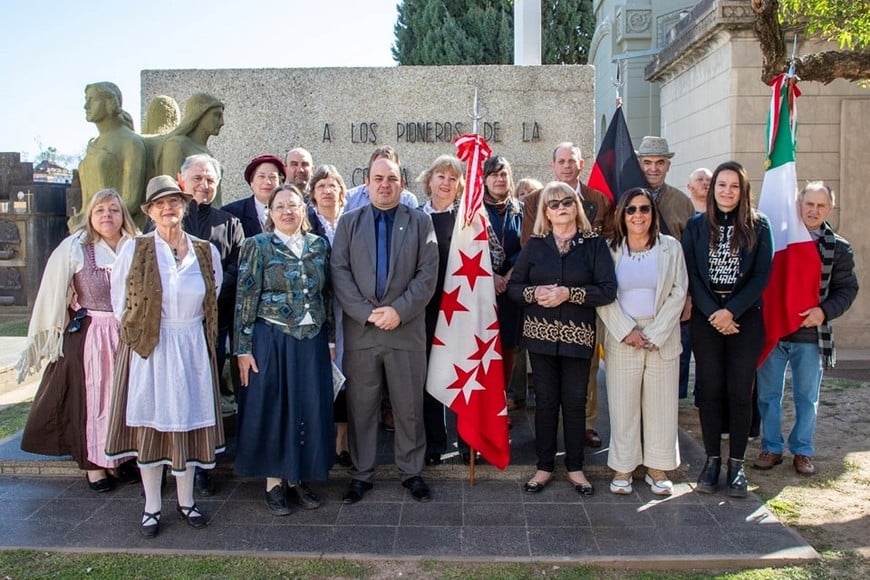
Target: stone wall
342,114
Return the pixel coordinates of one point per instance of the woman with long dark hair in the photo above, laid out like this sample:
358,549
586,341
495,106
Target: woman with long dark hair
728,253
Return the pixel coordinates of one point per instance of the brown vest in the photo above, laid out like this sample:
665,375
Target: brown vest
140,323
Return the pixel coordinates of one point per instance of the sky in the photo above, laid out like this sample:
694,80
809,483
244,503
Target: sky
51,49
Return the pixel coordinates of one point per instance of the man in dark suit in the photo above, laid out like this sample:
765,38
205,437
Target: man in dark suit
384,270
264,173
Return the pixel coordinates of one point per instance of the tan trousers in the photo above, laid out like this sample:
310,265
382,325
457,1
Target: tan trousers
592,391
643,398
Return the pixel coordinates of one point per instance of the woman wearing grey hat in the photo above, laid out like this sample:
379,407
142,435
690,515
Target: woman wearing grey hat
165,409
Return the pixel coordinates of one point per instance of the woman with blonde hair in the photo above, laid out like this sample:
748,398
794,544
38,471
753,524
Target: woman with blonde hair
563,272
73,328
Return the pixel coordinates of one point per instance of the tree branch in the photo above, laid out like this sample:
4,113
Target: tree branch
824,67
769,33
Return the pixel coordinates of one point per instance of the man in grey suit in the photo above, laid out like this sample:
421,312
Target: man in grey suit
384,269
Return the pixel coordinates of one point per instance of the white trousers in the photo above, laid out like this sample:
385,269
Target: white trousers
643,399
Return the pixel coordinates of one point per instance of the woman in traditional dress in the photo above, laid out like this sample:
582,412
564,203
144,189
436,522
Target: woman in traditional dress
283,328
166,405
73,327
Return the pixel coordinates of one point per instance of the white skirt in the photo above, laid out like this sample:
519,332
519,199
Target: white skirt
172,390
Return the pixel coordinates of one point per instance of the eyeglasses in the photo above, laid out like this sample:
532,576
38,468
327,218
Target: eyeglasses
564,202
279,209
633,209
75,324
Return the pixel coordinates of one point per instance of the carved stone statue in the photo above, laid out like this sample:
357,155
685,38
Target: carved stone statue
203,118
162,116
116,158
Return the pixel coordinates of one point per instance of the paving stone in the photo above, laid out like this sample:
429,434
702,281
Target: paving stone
432,540
544,515
562,542
434,513
358,540
504,541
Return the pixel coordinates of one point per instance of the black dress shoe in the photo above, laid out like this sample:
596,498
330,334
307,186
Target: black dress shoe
203,483
302,496
708,481
343,459
465,455
194,517
127,472
150,524
356,490
433,458
101,486
737,484
419,489
276,501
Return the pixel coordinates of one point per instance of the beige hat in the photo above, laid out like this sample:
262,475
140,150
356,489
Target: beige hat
654,147
161,186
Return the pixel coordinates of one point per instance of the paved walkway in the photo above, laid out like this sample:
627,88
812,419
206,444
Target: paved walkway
492,520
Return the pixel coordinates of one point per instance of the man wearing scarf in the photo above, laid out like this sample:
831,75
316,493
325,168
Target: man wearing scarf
810,349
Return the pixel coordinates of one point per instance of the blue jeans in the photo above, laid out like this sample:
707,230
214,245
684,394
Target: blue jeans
806,377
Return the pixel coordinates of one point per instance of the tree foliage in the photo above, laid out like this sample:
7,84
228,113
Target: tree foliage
846,22
435,32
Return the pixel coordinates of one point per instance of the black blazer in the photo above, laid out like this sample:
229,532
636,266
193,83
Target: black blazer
755,266
245,210
586,270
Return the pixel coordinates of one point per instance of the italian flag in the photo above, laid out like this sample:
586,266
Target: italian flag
797,267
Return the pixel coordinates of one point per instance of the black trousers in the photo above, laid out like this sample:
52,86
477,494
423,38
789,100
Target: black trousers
725,375
560,384
433,421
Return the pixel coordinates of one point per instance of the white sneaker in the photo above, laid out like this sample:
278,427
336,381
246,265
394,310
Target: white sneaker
621,484
658,482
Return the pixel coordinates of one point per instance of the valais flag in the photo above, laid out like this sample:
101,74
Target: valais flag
797,267
465,365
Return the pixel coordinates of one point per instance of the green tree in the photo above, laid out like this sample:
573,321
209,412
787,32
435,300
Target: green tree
846,22
434,32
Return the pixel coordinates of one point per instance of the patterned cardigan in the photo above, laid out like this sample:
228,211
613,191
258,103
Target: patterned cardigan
277,286
586,270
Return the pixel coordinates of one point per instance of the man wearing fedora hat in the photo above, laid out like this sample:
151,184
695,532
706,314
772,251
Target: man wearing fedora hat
675,209
674,206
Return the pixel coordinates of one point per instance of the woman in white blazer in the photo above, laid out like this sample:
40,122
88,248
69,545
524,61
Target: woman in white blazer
642,345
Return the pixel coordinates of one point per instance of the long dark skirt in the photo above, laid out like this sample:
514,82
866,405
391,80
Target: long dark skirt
285,423
56,423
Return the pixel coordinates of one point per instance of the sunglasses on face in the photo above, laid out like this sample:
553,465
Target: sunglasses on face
564,202
632,209
75,324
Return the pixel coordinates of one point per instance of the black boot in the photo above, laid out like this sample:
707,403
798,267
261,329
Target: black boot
708,481
737,483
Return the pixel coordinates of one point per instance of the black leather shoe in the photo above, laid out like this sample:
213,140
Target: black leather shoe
708,481
203,483
150,524
356,490
192,515
302,496
419,489
101,486
433,458
343,459
276,501
737,483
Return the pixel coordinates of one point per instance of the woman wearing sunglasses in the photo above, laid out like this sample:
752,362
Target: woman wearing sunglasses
642,341
563,272
73,327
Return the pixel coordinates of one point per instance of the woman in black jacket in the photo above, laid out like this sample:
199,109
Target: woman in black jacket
562,274
729,250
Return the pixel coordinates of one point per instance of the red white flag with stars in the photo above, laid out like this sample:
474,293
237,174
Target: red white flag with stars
465,365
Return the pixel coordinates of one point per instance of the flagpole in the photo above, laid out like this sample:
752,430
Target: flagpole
475,117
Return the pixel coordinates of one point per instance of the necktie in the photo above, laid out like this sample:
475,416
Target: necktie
383,257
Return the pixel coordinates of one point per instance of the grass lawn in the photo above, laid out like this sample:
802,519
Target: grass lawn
33,564
14,327
12,419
